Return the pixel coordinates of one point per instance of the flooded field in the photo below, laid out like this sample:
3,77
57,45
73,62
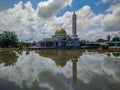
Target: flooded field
59,70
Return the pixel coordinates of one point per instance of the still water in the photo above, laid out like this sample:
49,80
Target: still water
59,70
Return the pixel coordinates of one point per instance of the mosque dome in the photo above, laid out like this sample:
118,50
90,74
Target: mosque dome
60,31
60,64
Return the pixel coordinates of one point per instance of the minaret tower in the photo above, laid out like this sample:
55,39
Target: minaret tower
74,18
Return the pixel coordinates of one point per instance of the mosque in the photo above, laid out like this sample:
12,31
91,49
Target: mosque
61,39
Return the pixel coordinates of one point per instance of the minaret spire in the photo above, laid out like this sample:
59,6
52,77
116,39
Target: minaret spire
74,26
74,18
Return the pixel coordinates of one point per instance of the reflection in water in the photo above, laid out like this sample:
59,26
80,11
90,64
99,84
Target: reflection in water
111,66
59,69
74,62
116,54
61,56
8,57
7,85
43,77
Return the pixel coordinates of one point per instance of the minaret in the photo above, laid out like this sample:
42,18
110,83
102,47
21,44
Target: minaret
74,18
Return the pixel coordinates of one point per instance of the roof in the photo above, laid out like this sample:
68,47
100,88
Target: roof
117,42
60,31
49,39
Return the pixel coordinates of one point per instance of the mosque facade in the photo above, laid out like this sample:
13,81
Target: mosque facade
61,39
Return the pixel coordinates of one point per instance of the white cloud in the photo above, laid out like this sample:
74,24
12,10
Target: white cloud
30,24
92,35
114,1
48,9
111,21
23,19
104,1
20,19
88,24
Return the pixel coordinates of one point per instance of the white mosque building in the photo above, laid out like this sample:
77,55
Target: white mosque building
61,39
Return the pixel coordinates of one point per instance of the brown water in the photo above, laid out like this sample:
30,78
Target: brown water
59,70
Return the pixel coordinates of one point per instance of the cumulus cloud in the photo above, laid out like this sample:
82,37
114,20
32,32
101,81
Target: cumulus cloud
114,1
48,9
29,24
88,24
111,21
93,35
21,20
35,24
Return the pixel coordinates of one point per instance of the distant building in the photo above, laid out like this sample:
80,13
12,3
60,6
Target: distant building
114,43
61,39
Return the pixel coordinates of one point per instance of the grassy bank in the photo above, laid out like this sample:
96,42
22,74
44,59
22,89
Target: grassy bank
8,48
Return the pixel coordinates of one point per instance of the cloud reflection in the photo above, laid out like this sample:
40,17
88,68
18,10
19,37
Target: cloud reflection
37,71
112,67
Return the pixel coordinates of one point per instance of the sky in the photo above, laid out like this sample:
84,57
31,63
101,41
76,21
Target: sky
34,20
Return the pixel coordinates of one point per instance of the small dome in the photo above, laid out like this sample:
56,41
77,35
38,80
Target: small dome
60,31
60,64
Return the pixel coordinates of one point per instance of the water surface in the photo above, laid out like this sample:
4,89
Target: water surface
59,70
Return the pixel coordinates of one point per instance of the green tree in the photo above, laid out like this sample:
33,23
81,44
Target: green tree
116,38
8,39
100,40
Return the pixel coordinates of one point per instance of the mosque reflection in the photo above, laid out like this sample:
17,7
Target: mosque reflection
113,57
61,56
8,58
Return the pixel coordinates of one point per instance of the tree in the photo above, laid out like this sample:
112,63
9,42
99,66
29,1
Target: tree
8,39
116,38
108,37
100,40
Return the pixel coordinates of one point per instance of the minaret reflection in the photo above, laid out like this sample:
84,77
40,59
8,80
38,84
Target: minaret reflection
61,56
74,70
108,54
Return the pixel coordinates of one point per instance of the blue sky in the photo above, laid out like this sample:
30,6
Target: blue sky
96,5
38,19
